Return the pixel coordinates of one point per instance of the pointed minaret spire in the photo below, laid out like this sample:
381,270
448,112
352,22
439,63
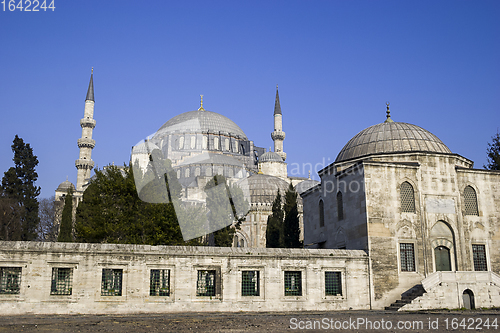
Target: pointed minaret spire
388,114
84,163
278,135
201,104
277,106
90,91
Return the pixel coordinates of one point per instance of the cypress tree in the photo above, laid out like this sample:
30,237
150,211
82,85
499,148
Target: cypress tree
274,230
66,228
291,225
18,184
493,153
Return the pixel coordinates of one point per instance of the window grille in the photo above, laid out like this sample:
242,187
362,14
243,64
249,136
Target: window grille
340,206
250,283
111,284
10,280
407,254
159,283
321,214
205,285
293,283
479,257
62,279
470,200
407,198
333,284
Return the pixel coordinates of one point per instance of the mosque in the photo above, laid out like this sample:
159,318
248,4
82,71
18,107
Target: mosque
398,220
201,144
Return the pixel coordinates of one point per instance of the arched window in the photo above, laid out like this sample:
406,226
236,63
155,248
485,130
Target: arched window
340,206
407,198
470,200
321,214
197,172
216,143
205,142
181,142
193,142
226,144
208,172
187,173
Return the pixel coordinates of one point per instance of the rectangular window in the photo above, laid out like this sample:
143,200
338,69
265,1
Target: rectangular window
62,279
293,283
407,254
159,282
111,284
10,280
479,257
250,283
333,284
205,284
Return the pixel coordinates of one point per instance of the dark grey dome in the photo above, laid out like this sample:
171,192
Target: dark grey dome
201,121
305,185
263,188
65,186
391,137
270,156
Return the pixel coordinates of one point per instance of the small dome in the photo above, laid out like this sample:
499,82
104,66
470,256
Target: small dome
65,186
305,185
270,156
263,188
201,121
391,137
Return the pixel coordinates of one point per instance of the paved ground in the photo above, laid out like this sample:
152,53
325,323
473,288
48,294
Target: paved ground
345,321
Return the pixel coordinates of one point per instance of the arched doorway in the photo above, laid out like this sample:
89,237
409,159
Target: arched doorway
468,298
442,258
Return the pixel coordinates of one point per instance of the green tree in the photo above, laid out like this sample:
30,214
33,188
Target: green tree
274,230
18,183
223,213
291,225
493,153
11,213
66,228
111,212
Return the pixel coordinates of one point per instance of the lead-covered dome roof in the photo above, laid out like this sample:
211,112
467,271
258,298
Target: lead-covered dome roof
65,186
391,137
263,188
270,156
201,121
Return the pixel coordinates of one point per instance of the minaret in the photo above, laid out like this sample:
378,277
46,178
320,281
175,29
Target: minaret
84,163
278,135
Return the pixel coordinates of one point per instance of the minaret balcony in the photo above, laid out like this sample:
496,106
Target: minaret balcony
84,164
87,122
86,143
278,135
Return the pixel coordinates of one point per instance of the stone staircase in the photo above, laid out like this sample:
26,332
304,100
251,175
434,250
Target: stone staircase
407,297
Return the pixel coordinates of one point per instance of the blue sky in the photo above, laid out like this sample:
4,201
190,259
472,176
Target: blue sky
336,63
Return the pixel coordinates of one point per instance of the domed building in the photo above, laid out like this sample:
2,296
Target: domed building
396,191
199,145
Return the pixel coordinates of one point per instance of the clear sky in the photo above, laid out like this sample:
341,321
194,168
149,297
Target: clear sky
336,63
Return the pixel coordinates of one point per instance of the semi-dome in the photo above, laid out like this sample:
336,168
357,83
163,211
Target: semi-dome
263,188
65,186
270,156
201,121
306,185
391,137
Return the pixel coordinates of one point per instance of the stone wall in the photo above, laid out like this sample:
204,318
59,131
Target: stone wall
37,263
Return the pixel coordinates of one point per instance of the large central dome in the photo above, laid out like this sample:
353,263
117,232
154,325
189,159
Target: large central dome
201,121
391,137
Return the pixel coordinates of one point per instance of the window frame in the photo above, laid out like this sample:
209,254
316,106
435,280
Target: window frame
18,282
218,287
468,210
290,273
404,201
473,253
54,282
400,256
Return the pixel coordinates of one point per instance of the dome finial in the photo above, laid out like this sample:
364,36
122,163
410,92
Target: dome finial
309,174
388,120
92,70
260,170
201,104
